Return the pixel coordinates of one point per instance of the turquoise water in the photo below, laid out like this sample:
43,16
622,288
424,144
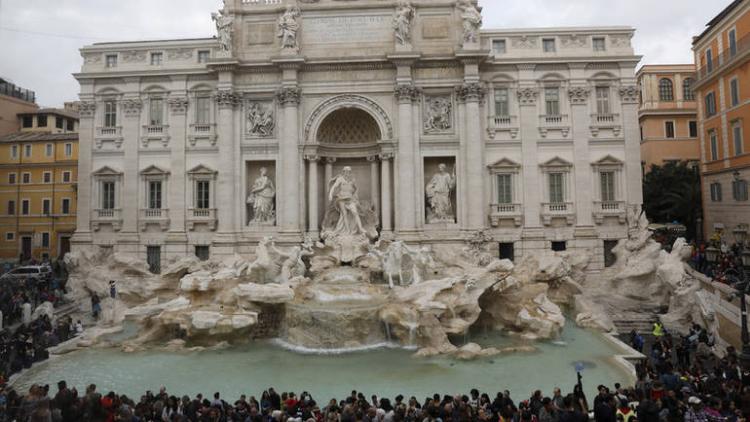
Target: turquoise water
251,368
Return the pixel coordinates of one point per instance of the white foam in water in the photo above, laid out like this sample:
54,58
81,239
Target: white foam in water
559,343
341,297
337,351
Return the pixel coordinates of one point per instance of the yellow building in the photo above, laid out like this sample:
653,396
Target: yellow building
722,87
38,184
668,115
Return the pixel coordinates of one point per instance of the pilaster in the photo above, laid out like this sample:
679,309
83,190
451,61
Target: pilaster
290,161
178,106
579,98
532,187
472,94
406,218
631,131
86,128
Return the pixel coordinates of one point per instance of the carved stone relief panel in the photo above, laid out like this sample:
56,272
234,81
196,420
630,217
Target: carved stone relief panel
438,114
261,119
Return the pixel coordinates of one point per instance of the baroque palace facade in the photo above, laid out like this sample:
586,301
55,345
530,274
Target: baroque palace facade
206,146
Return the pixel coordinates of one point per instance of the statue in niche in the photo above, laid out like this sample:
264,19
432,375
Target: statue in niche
261,199
260,120
438,115
472,21
439,196
402,22
288,27
223,30
342,194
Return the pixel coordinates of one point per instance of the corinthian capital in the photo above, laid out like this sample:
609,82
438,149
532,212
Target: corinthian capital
527,96
471,92
227,99
289,95
87,109
178,105
407,93
131,107
629,94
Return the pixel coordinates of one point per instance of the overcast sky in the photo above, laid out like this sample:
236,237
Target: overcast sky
39,39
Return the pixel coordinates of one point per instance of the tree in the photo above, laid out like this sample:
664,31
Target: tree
672,193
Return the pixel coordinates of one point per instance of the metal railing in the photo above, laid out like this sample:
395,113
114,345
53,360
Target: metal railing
725,58
12,90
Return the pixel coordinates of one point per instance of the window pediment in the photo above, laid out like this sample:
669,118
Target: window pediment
106,171
608,162
556,164
154,171
201,171
504,165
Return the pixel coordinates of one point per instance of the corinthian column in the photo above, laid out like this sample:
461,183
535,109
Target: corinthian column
406,218
289,161
313,194
385,192
472,93
86,129
374,184
225,201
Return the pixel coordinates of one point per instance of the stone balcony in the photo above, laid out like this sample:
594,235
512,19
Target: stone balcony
108,134
107,216
202,132
155,216
498,124
155,133
511,212
604,209
558,210
548,123
607,121
202,216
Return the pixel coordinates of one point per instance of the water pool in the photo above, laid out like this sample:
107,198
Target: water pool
388,372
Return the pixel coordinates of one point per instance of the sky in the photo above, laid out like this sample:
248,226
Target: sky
39,39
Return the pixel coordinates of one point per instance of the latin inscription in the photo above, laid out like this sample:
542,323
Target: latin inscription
347,29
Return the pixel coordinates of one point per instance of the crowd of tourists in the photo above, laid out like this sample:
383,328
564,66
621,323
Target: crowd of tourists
15,292
727,262
681,380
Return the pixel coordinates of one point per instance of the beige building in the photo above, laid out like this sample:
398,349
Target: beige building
668,115
14,100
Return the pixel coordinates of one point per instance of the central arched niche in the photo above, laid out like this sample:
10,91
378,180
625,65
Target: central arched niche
349,125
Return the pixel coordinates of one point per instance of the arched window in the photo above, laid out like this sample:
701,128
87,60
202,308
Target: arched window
666,93
687,89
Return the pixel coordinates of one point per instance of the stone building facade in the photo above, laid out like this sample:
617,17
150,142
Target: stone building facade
206,146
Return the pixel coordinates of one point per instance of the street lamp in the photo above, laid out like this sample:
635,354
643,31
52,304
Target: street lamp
712,254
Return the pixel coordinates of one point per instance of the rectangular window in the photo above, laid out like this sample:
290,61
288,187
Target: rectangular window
669,130
737,138
504,189
608,186
68,150
559,246
14,151
28,121
65,206
202,110
556,188
47,177
552,101
41,120
507,251
11,207
153,258
157,59
48,150
46,206
732,42
710,104
11,178
548,44
739,190
714,139
734,89
154,195
45,240
202,252
110,114
502,106
709,60
602,100
70,125
600,44
156,112
10,236
111,60
25,206
66,177
108,195
27,149
202,191
716,192
59,122
693,128
498,46
26,178
203,56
